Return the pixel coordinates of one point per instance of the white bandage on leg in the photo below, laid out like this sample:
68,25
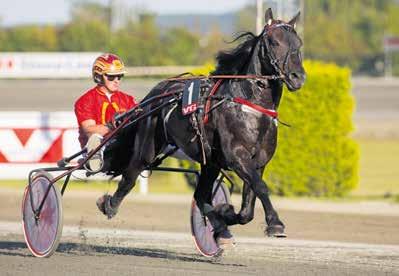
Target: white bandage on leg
96,162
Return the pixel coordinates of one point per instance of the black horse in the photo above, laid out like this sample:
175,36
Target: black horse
235,137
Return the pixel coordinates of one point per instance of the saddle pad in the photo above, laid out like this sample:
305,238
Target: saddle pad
191,95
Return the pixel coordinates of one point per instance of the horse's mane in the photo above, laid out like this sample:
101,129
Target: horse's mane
231,62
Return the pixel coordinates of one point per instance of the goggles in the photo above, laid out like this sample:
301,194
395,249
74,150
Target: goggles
113,77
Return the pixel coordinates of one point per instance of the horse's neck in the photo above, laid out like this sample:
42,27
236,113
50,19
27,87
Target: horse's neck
254,66
271,94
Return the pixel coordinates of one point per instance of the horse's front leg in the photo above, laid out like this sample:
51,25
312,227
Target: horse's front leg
247,211
246,170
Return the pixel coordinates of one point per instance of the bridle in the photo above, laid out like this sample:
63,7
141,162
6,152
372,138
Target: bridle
274,61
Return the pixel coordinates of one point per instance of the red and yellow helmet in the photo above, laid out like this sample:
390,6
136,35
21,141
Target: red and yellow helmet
107,64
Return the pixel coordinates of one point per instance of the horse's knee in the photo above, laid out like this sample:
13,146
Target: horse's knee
245,217
226,213
260,188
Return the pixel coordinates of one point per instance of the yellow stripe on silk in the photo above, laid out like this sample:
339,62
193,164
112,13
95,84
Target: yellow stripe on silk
115,106
103,112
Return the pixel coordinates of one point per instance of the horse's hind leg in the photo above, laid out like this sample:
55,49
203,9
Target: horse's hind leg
203,197
108,204
219,216
144,152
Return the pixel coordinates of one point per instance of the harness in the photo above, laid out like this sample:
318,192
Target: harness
199,114
208,109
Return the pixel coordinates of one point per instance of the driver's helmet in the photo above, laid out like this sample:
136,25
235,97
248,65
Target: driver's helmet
107,64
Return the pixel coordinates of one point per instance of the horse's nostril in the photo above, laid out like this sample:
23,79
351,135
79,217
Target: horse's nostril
296,75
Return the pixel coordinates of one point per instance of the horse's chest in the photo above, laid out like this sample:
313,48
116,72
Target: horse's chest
250,126
256,133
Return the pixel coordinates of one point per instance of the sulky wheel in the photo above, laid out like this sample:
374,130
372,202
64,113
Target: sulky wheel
43,232
201,229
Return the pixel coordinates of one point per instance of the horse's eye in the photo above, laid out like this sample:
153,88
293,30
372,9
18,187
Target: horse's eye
274,42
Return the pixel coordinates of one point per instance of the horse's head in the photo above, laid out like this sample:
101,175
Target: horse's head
281,48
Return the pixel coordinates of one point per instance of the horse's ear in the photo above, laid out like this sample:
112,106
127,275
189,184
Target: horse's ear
269,16
294,20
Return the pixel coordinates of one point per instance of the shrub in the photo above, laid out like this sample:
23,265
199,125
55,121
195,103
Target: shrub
316,156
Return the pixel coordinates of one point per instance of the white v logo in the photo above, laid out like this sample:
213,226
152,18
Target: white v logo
38,144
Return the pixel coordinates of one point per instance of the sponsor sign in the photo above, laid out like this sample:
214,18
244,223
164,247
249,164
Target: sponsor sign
46,65
30,140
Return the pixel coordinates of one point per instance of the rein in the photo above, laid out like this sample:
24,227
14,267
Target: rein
260,77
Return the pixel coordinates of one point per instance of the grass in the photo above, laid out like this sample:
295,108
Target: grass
379,170
379,175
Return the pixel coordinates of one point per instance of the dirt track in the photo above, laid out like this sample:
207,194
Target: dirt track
151,236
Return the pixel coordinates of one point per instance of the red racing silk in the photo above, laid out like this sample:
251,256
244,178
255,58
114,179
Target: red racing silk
95,105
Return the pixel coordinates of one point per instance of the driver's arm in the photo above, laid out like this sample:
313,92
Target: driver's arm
90,127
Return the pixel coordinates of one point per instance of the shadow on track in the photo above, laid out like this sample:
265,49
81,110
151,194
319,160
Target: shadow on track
11,248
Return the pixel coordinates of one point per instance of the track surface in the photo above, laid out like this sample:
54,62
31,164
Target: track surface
150,236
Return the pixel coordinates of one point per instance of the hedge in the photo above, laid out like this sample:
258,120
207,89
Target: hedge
315,156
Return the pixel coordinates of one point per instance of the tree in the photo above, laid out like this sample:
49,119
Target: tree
347,32
246,19
32,38
84,36
139,43
180,46
88,29
210,45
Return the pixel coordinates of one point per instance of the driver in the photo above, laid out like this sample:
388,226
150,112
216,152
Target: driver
100,104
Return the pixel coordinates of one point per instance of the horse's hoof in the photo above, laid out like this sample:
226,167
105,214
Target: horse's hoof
104,205
225,240
100,204
275,231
